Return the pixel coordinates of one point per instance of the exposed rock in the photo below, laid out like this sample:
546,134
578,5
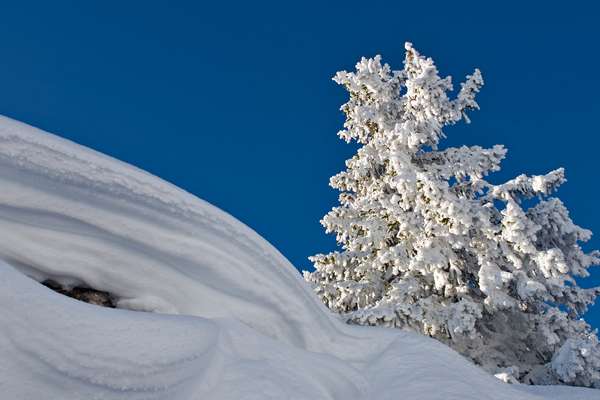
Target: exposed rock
87,295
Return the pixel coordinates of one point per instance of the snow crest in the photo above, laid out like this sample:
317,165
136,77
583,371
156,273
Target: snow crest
231,318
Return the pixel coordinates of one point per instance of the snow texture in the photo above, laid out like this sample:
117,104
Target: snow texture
232,318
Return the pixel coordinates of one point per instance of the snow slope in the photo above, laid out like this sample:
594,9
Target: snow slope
232,318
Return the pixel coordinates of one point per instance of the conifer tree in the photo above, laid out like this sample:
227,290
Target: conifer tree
427,243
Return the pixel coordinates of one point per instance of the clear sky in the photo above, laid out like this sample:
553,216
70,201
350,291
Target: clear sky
233,101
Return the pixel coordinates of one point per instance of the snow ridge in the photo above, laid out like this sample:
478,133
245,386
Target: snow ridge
232,317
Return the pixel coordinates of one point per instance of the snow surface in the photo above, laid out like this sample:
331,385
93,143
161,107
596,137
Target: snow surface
232,318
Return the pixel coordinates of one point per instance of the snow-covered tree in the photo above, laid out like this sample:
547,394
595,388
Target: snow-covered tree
428,244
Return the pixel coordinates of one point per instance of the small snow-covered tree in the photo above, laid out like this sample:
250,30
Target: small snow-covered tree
427,243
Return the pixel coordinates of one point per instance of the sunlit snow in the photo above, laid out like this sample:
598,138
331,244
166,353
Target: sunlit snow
227,316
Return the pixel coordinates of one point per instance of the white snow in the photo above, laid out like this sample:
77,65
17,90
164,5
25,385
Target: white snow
233,319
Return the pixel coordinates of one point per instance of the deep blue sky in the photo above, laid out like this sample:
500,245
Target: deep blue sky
234,103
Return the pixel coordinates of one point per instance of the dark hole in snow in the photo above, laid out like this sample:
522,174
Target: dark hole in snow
87,295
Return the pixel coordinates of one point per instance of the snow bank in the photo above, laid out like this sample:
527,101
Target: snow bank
233,318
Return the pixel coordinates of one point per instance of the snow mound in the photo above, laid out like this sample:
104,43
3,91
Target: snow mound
231,318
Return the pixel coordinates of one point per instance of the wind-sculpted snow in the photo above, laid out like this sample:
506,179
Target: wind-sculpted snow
231,318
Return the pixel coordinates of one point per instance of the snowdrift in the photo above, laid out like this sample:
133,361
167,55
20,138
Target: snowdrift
207,309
